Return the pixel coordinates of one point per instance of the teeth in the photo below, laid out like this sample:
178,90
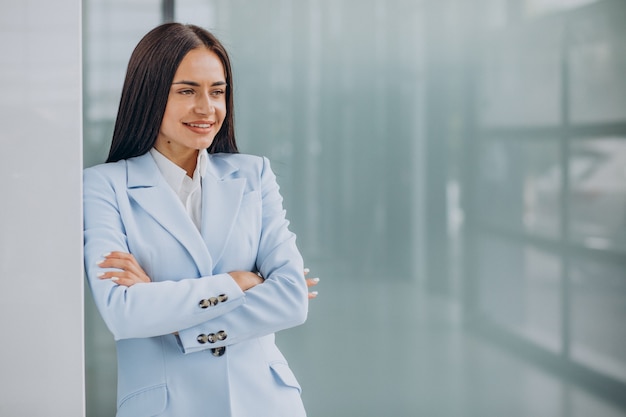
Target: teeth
203,125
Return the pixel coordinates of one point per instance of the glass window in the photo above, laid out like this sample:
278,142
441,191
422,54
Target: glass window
520,186
520,78
597,199
542,299
597,62
110,32
534,8
520,289
598,334
197,12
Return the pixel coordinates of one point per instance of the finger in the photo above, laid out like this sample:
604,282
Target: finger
119,255
119,265
108,274
128,264
306,271
311,282
132,265
127,277
125,282
114,263
123,276
122,258
312,295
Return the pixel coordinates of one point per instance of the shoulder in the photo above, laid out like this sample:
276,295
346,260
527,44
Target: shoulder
238,159
245,164
110,171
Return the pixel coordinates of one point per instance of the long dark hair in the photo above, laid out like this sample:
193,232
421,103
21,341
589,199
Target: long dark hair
149,76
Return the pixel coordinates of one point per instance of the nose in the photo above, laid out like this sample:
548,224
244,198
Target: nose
204,104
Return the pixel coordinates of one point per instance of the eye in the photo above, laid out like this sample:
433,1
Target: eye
186,92
218,93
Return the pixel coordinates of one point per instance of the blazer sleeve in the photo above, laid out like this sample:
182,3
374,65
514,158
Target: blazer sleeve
278,303
150,309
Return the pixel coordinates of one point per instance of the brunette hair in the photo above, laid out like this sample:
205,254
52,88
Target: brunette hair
149,76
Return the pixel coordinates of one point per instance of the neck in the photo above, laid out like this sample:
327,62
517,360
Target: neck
185,160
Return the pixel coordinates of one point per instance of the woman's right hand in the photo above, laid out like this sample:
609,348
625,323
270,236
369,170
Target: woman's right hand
131,272
246,279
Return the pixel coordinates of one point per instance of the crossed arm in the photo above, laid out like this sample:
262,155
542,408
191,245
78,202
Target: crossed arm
130,273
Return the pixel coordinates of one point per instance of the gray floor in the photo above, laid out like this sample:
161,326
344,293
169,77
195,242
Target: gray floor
379,348
383,348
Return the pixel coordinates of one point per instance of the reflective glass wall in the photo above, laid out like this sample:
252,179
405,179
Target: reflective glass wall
546,183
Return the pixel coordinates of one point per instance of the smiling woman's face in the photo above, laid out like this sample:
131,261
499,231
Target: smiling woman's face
196,106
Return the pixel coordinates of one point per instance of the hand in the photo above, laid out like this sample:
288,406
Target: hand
311,282
131,273
246,279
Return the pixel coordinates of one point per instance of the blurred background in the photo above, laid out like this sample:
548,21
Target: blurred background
455,171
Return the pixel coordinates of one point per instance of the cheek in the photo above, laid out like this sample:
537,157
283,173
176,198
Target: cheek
168,117
221,110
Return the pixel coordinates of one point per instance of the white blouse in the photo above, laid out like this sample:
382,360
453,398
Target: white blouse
189,190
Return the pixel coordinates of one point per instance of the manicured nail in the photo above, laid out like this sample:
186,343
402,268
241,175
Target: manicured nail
106,254
307,270
101,274
114,278
315,279
314,293
100,261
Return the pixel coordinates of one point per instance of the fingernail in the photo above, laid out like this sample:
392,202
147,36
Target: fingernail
101,274
314,293
100,261
106,254
114,278
316,279
307,270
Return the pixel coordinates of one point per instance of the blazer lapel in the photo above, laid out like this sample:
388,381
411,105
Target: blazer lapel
221,199
148,188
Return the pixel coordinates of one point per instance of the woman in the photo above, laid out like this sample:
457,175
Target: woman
187,250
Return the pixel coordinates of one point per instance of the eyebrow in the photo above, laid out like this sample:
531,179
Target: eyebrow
195,84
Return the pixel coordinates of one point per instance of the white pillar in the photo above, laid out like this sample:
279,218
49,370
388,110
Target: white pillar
41,296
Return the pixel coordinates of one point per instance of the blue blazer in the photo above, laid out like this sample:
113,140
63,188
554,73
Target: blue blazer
223,362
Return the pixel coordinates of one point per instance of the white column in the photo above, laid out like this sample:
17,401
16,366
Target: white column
41,297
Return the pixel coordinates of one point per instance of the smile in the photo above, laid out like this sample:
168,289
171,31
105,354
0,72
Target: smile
200,125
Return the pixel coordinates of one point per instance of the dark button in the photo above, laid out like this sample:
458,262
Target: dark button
211,338
221,335
202,339
218,351
213,301
222,297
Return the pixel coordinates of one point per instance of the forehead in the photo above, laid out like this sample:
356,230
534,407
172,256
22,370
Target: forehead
201,63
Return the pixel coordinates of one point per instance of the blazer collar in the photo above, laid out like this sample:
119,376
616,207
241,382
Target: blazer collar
142,171
221,198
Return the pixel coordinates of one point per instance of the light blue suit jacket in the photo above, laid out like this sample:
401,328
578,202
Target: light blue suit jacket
224,361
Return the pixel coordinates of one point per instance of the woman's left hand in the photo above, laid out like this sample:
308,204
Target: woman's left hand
130,273
311,282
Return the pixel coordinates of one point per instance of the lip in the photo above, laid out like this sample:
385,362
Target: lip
199,126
